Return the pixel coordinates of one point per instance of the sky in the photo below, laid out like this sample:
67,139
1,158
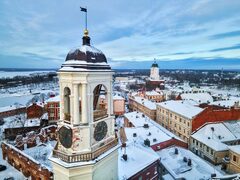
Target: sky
197,34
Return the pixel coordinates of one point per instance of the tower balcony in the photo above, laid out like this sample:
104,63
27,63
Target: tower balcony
83,157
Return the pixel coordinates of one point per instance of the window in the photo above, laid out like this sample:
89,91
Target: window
200,145
207,149
140,178
197,143
234,158
188,123
211,152
193,141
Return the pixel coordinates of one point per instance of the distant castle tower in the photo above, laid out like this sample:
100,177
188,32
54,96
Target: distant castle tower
154,74
87,144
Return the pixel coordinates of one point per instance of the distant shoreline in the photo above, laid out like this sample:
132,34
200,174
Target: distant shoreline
55,69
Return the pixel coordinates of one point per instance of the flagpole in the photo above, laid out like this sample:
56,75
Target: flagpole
86,18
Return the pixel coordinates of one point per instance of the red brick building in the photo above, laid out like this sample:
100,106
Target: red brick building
12,110
211,114
35,110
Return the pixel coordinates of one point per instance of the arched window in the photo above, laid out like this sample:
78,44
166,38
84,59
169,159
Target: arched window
100,102
67,94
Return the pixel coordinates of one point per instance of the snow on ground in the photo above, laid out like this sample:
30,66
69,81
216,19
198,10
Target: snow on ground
24,93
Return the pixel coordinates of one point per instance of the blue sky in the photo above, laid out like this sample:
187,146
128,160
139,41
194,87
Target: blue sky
179,34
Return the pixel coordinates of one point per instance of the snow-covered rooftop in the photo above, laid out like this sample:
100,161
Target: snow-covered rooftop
10,108
149,104
41,153
225,103
155,132
182,107
179,169
235,148
153,93
54,99
139,157
198,97
117,97
215,134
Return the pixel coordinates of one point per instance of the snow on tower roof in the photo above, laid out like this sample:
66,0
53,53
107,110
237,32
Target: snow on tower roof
179,169
184,108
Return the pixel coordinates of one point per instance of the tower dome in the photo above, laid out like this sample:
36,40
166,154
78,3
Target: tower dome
155,64
85,57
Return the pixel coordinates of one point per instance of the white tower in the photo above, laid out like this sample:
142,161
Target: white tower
87,143
154,74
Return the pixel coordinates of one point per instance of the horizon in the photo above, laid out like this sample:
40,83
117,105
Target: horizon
180,35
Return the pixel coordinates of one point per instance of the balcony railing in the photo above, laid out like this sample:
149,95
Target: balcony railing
99,114
85,156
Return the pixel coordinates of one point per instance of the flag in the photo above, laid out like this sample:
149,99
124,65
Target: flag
83,9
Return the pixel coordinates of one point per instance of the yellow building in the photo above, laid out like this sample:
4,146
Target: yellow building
234,164
143,105
177,116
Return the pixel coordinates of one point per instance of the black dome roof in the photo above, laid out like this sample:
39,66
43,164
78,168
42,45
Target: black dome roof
155,64
86,57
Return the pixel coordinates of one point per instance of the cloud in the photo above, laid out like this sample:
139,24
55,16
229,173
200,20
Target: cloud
124,30
226,48
225,35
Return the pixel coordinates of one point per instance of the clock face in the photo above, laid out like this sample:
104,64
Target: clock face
100,131
65,136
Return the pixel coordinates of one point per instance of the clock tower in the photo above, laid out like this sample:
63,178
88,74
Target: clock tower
87,144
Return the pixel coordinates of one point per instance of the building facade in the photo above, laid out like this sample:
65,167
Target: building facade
118,105
234,164
184,117
142,105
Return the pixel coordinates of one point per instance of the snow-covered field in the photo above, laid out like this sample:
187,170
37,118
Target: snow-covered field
11,74
23,94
